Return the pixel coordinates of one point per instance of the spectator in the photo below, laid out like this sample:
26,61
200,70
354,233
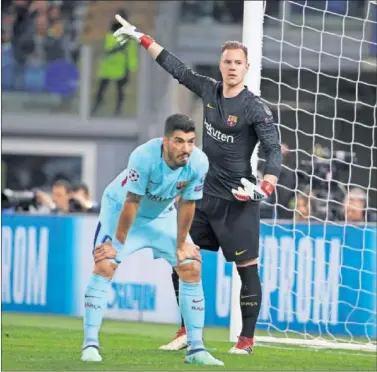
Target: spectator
39,42
303,208
354,209
21,40
47,43
7,27
56,27
81,196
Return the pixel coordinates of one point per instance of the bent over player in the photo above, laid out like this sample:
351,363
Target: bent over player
137,211
228,215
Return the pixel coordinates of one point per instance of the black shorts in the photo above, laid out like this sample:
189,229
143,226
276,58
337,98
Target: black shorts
232,225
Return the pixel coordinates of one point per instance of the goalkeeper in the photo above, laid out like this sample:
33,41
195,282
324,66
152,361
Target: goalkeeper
228,215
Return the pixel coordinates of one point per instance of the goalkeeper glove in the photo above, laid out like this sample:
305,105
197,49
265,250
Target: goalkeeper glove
253,192
127,32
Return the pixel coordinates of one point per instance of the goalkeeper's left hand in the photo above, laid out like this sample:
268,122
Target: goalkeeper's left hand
249,191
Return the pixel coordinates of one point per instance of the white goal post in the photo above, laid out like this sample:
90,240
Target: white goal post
318,275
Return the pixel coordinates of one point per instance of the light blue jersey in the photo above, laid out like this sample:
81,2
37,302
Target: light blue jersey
147,174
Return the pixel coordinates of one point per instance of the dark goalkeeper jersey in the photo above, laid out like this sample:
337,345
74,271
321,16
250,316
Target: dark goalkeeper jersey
232,128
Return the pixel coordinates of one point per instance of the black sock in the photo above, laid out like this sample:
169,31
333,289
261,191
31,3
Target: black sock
175,279
250,298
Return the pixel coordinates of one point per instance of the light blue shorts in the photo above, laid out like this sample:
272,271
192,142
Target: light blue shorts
159,234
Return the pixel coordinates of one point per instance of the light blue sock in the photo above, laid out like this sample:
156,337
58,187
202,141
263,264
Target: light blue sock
191,299
95,305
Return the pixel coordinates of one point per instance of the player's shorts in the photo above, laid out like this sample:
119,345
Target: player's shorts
159,234
231,225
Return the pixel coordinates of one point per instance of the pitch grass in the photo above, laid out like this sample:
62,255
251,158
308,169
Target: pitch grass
41,343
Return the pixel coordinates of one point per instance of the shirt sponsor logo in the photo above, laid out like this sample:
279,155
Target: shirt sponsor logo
156,198
217,134
181,184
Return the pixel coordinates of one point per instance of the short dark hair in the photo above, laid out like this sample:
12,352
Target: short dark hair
178,122
77,186
64,183
232,44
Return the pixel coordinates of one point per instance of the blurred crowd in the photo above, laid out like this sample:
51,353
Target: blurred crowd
225,12
304,201
231,11
35,32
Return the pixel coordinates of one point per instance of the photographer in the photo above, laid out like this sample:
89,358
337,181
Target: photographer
81,197
66,198
58,202
354,209
63,199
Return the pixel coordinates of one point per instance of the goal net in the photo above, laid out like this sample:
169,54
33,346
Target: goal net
318,238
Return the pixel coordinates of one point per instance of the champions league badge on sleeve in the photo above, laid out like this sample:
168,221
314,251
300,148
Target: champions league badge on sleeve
133,175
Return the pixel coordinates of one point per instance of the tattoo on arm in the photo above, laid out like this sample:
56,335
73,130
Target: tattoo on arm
133,198
186,211
127,215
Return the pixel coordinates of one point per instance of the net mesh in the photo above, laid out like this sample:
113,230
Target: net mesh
319,271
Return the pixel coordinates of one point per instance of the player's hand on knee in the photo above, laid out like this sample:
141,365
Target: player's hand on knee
250,191
105,250
188,251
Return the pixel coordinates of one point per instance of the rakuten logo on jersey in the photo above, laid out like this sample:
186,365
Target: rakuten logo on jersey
217,134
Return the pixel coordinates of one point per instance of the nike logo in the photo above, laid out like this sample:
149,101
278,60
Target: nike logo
249,296
91,297
209,106
196,301
239,253
154,183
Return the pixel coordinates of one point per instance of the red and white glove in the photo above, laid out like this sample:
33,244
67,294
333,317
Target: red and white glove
249,191
127,32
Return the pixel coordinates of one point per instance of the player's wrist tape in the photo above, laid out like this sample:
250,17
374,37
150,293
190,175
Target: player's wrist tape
267,187
117,244
146,41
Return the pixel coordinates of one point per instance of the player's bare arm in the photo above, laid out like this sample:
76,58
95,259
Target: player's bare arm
127,215
186,211
169,62
126,219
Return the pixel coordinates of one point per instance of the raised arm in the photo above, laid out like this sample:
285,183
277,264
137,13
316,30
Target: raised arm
169,62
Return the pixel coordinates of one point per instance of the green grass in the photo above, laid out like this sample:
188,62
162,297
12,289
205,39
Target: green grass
40,343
